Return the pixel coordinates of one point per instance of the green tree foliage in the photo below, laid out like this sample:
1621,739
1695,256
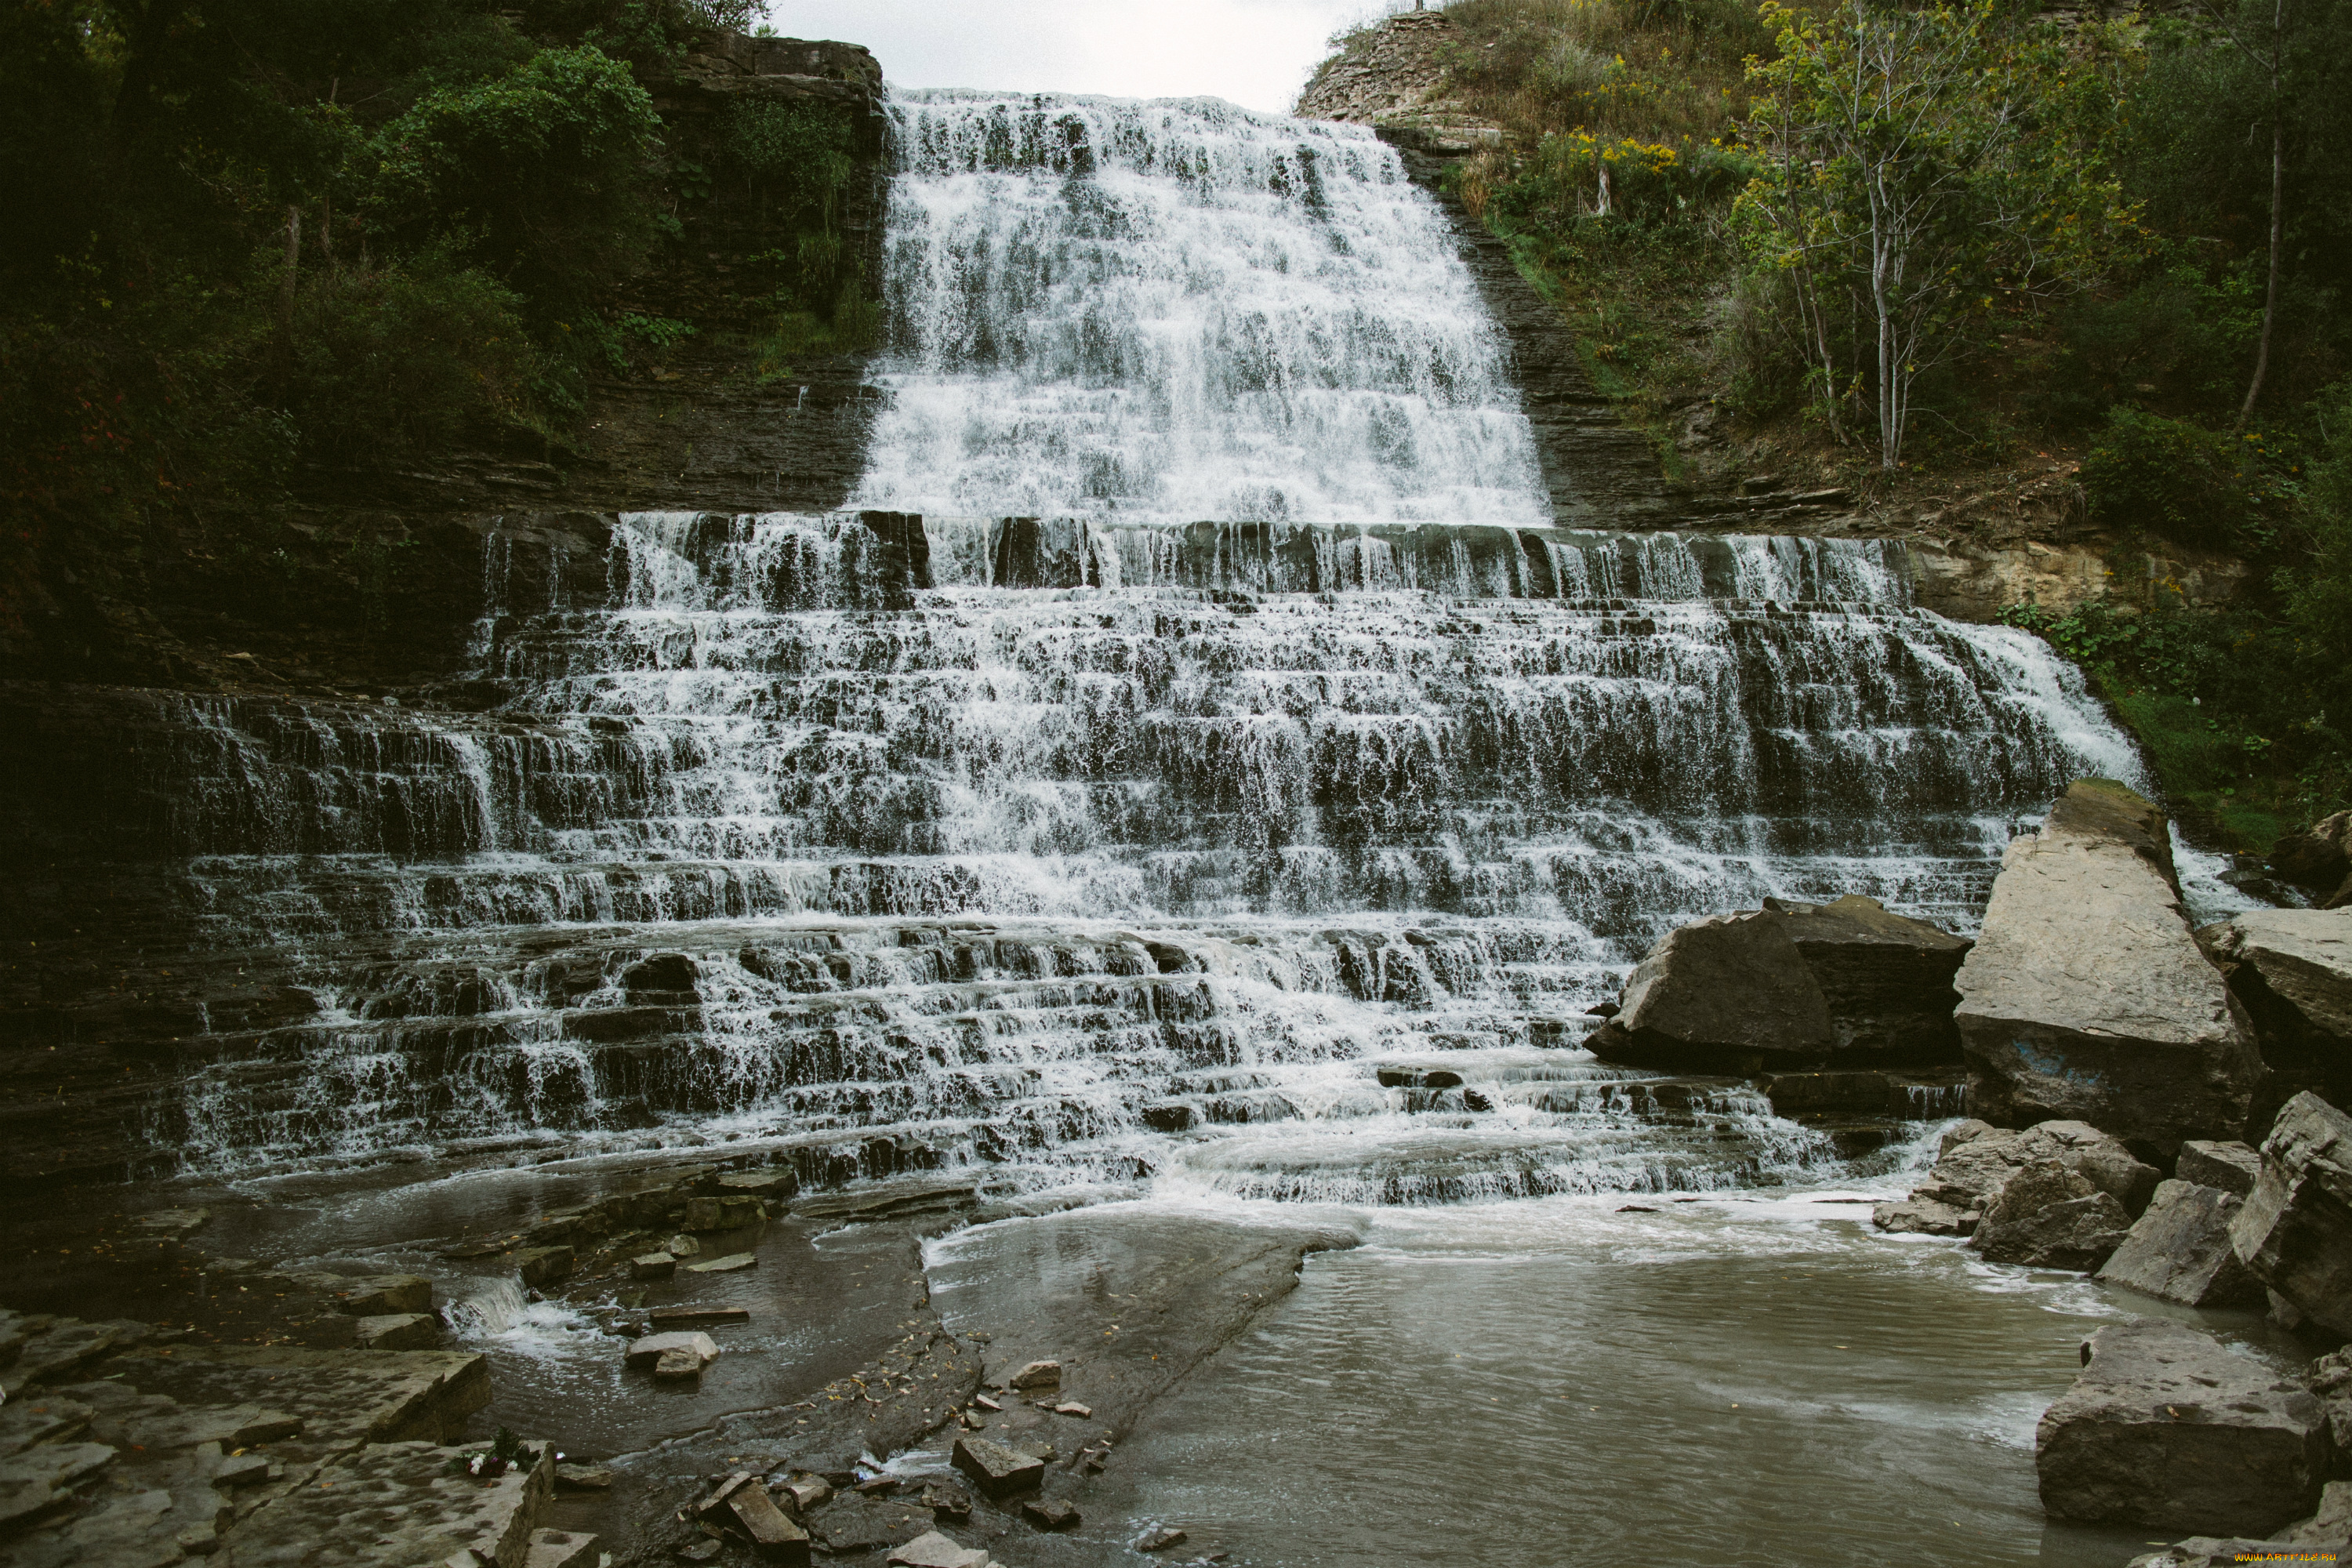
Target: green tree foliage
1922,173
540,176
243,237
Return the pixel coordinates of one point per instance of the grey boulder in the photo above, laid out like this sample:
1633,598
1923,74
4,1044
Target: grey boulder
2048,1215
2087,998
2167,1428
2231,1166
2324,1537
1975,1160
2295,1230
1790,987
2179,1251
2291,971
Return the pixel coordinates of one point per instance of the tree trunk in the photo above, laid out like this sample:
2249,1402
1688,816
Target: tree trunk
293,269
2278,211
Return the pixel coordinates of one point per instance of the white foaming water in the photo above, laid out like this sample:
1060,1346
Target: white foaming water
1085,880
1180,311
491,1311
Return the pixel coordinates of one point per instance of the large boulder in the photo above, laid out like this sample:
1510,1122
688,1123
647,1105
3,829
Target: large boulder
1790,987
2086,997
2169,1428
2047,1215
1976,1159
2319,857
2295,1230
2291,971
2179,1251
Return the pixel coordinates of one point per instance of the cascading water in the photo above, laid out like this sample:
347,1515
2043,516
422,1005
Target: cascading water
1180,311
1114,841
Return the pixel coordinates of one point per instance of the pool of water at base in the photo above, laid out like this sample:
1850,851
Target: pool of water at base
1757,1379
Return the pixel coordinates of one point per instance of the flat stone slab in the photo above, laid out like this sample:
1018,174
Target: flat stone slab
400,1331
396,1505
2169,1428
384,1295
649,1351
340,1398
726,1265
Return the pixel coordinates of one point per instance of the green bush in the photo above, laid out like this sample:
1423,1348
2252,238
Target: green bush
397,360
2177,481
540,177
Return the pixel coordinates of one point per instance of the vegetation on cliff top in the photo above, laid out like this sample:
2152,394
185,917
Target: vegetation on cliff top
251,240
1911,240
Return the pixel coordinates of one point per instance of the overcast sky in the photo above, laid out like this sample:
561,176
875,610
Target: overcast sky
1255,53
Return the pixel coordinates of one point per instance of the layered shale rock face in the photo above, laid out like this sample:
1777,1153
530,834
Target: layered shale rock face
934,841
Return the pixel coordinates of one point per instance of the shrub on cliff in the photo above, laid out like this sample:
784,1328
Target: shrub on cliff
542,177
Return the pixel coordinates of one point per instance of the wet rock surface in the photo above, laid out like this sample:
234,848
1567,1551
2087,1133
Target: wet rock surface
2291,971
2085,997
2179,1250
2049,1216
1975,1162
2170,1428
1789,988
2294,1231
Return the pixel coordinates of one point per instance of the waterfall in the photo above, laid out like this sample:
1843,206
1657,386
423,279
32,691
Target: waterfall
1203,715
1171,312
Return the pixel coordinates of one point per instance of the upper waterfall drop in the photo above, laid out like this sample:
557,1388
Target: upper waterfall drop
1180,311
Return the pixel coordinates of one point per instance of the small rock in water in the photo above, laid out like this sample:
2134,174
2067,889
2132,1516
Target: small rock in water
808,1492
583,1478
998,1471
699,1551
777,1538
1160,1540
973,1421
649,1351
946,1498
1636,1208
1037,1374
877,1485
726,1265
678,1363
985,1403
1072,1407
683,1245
1051,1513
652,1266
